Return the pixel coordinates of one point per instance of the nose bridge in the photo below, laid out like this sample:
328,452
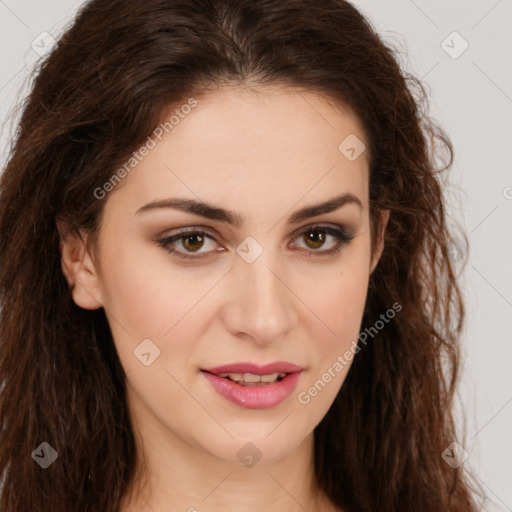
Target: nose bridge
262,306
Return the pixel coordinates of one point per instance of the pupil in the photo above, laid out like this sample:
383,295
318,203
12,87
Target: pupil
319,236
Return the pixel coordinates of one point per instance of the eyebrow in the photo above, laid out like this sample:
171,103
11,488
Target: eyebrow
235,219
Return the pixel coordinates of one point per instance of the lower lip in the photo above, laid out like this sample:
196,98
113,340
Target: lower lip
254,397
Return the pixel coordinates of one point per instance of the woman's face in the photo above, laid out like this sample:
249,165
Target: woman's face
257,291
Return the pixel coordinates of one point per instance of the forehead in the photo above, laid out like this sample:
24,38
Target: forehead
253,149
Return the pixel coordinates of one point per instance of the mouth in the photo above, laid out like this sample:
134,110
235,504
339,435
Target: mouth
254,387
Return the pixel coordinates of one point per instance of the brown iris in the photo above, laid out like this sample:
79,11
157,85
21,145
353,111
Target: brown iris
316,237
188,242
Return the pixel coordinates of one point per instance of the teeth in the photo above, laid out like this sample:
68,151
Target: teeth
251,378
269,378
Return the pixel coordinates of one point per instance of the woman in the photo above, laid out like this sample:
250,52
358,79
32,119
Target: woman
224,272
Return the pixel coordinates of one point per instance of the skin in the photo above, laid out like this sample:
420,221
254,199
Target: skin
263,154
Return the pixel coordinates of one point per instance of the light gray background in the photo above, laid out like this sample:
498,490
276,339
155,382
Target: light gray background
471,96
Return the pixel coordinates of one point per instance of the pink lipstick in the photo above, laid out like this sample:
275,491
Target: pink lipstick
252,386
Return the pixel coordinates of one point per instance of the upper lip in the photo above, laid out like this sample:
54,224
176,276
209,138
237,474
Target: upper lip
267,369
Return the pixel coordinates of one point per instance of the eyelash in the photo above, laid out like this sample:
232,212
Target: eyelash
340,235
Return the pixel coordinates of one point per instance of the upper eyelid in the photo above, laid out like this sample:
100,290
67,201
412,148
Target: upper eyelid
208,231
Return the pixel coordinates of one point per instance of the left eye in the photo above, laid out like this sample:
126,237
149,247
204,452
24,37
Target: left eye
317,236
314,237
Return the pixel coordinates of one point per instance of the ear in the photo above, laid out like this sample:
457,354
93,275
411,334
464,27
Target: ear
379,243
78,267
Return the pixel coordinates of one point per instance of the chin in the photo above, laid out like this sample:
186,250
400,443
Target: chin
264,447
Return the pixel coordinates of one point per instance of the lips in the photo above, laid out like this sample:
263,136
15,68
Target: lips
252,386
267,369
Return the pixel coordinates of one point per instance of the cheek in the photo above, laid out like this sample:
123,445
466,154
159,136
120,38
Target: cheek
341,308
340,294
148,297
344,299
339,302
145,291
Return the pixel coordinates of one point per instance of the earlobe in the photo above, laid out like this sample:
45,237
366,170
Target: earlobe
379,245
79,269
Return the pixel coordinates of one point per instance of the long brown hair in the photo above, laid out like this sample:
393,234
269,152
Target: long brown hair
94,100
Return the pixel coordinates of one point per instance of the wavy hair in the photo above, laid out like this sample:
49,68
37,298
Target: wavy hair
93,101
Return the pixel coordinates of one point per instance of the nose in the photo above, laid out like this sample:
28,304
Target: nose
261,303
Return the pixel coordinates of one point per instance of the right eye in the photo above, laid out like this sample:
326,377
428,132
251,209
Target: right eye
191,241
